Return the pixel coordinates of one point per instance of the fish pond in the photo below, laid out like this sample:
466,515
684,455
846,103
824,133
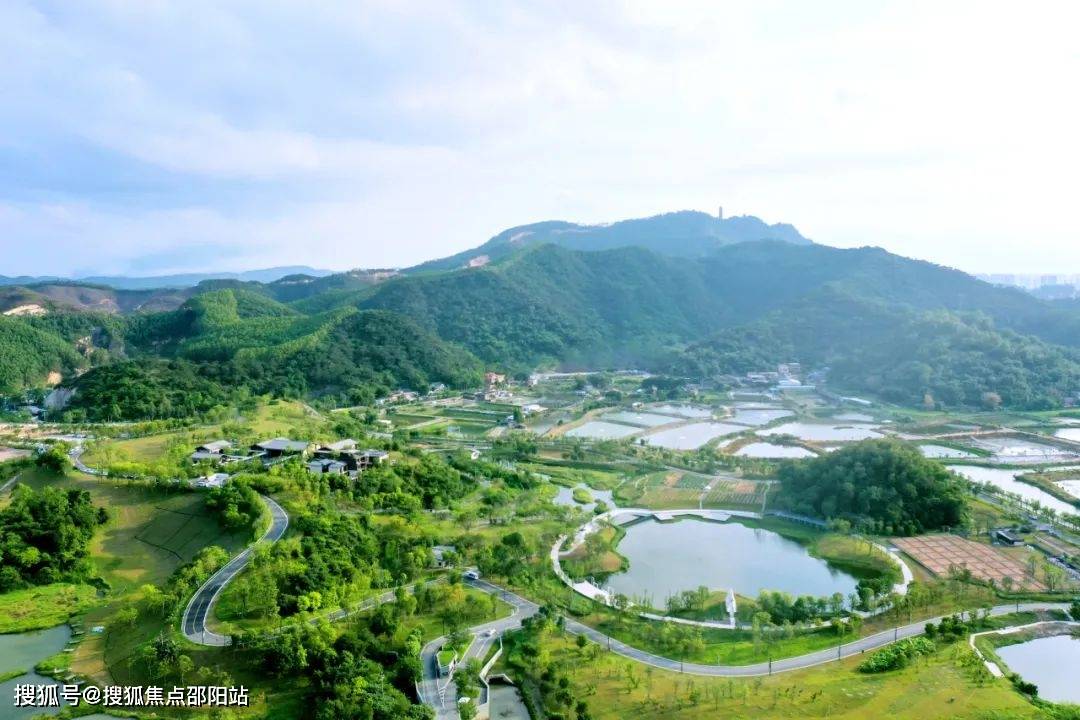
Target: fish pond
600,430
824,432
768,450
692,436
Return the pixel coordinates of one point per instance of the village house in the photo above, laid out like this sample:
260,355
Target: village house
213,480
280,447
443,555
327,465
212,451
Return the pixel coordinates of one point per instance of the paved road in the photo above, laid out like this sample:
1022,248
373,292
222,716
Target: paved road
76,459
10,483
202,602
871,642
442,695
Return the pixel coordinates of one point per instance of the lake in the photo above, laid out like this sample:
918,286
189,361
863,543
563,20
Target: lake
22,651
1006,480
600,430
822,432
666,558
768,450
1051,663
692,436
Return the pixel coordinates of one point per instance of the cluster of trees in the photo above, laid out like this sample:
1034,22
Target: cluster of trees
44,536
335,560
146,389
528,656
882,482
237,506
369,670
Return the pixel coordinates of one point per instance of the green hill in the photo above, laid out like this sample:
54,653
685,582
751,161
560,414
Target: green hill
28,355
678,234
905,330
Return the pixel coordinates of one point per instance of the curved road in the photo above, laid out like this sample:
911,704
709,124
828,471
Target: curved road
202,602
800,662
444,698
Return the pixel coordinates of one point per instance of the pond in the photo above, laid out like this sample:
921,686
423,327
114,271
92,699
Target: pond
642,419
1017,451
944,451
692,436
565,496
1069,434
1050,662
768,450
1070,486
667,558
1006,480
600,430
853,417
682,410
506,703
822,432
758,415
23,651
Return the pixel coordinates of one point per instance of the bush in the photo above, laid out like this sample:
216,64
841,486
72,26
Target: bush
897,655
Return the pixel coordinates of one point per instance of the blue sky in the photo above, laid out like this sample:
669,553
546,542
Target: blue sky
155,136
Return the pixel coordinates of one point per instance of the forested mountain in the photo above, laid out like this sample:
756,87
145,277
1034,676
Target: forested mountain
905,330
233,341
679,234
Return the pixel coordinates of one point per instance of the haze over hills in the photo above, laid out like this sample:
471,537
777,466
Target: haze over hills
705,306
183,280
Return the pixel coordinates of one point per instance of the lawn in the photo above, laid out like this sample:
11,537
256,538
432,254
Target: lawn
942,685
43,606
150,533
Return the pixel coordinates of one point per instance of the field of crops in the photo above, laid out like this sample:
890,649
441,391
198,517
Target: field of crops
732,492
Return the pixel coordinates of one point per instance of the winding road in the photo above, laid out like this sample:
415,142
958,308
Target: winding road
442,696
202,602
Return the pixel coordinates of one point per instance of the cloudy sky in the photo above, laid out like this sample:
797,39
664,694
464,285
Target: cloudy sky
151,136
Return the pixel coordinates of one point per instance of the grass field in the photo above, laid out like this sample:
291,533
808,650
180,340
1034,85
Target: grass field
150,532
44,606
268,420
942,685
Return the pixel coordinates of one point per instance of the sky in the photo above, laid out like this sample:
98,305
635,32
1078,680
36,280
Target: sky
145,137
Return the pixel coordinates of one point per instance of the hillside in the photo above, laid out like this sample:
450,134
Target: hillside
905,355
549,305
905,330
39,299
686,234
231,343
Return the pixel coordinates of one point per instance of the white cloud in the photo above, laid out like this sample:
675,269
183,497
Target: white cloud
387,133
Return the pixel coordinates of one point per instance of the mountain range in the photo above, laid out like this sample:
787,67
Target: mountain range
677,294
